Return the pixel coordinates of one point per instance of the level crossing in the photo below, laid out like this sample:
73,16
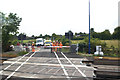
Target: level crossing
42,64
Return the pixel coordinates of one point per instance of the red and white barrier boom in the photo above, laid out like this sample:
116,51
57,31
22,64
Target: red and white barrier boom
56,46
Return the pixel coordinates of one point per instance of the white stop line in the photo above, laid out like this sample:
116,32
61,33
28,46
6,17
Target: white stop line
19,67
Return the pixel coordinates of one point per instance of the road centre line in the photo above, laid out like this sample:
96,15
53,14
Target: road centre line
65,72
75,67
19,67
14,62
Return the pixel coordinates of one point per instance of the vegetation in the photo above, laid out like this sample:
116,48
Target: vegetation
22,53
110,43
13,54
85,54
109,47
76,41
116,33
28,41
106,35
10,28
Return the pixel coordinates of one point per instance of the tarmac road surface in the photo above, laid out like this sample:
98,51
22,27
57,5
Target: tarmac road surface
43,65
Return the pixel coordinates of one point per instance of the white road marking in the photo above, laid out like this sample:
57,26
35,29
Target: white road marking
27,68
65,72
40,71
13,63
73,73
54,73
19,67
75,67
84,71
31,71
48,70
48,64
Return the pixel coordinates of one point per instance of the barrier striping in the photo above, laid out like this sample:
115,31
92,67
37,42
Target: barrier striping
56,46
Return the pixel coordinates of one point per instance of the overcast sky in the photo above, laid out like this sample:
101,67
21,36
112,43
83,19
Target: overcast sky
60,16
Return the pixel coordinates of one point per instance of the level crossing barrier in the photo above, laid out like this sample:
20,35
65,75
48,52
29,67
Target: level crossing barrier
58,48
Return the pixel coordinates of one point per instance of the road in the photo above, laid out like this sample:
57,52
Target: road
43,65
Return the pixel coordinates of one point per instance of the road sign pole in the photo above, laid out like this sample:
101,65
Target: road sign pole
89,26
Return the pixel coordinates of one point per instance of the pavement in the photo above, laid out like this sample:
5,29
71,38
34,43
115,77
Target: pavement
44,65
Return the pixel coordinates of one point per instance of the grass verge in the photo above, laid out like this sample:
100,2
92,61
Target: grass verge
22,53
85,54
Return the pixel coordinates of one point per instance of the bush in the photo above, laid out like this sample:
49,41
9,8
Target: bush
78,38
64,41
14,42
22,53
83,46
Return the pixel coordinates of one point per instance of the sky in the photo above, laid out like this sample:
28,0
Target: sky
60,16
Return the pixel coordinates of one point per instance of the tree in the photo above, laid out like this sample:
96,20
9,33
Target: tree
40,36
33,36
9,28
116,33
105,35
53,36
76,34
92,30
47,36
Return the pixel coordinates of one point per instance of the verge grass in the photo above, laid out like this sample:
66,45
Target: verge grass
76,41
85,54
27,41
109,43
